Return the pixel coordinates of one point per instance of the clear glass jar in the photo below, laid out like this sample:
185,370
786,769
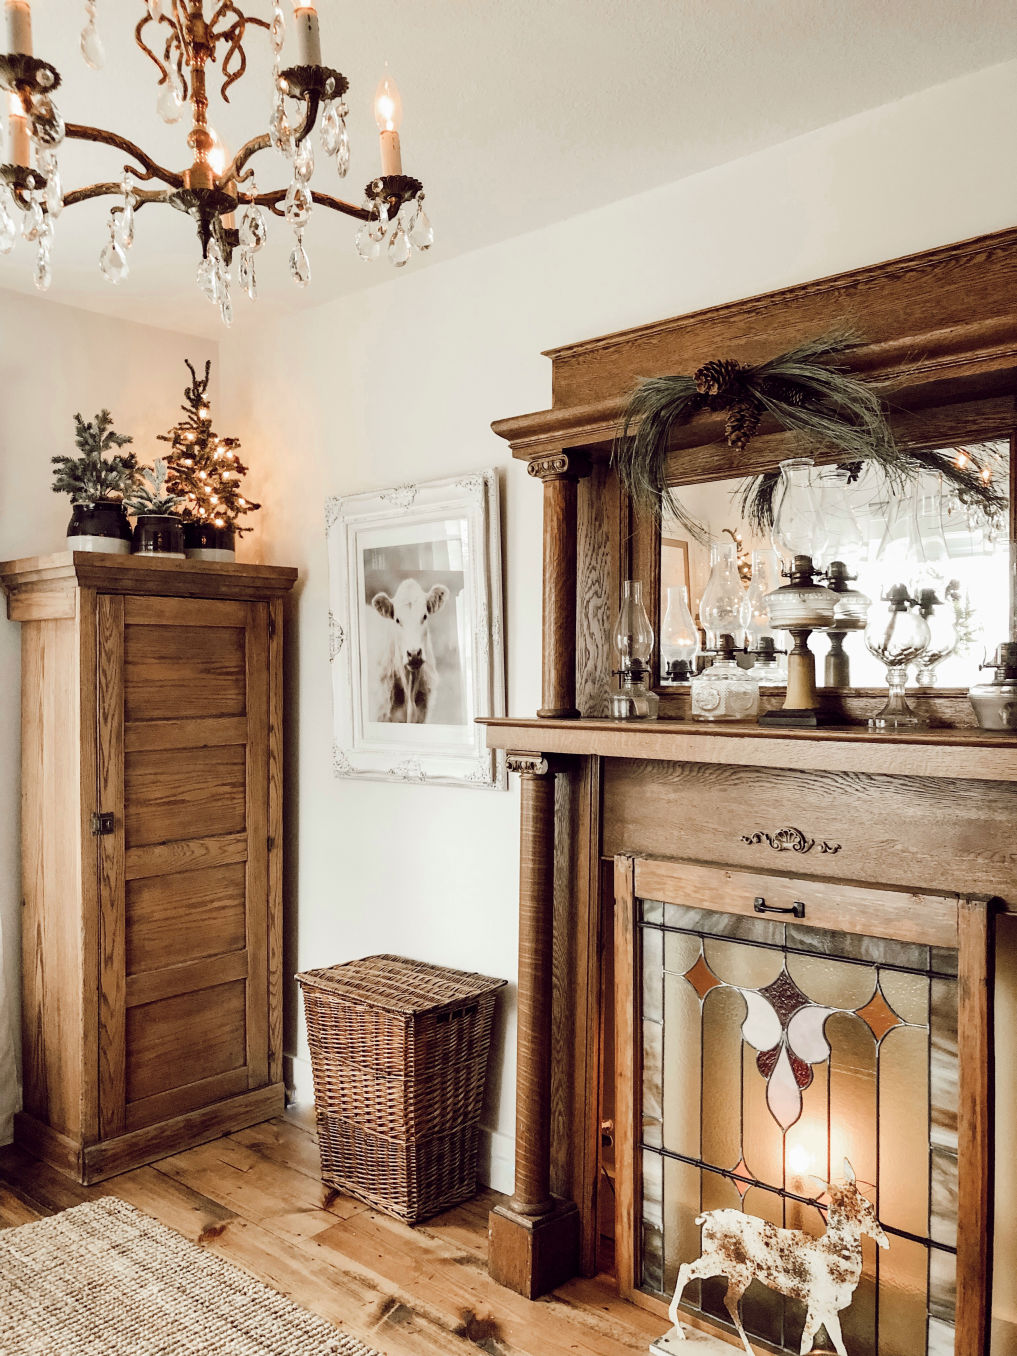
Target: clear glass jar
723,606
679,639
725,691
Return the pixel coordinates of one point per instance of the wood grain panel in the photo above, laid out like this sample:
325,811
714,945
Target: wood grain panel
164,1106
192,854
42,604
975,1150
54,1018
169,797
185,1039
154,985
162,611
87,676
184,916
257,680
900,915
210,732
628,1075
173,669
275,833
597,587
112,969
925,834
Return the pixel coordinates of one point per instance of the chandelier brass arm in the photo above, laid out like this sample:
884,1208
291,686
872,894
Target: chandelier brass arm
82,132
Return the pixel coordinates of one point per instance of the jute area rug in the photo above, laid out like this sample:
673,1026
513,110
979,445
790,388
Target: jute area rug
105,1280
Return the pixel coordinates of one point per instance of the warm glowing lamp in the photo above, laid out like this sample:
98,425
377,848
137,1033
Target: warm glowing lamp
18,140
388,114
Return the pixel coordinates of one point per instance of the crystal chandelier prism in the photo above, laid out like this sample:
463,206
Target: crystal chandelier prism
231,213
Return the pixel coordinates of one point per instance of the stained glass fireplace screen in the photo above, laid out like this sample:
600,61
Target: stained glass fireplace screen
772,1052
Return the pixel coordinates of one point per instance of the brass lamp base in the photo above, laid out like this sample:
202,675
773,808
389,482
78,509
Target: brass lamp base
801,704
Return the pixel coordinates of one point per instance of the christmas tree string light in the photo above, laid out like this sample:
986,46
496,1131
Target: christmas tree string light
204,465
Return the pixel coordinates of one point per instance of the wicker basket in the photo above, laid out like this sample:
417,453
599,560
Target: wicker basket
399,1053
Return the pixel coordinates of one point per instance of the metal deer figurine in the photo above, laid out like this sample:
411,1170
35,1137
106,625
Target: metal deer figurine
821,1272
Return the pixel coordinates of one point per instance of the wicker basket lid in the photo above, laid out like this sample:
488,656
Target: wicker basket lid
397,984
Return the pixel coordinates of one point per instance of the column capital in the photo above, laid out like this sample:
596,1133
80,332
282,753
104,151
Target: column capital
559,466
528,764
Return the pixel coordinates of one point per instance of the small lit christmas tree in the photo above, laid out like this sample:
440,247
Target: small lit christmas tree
204,466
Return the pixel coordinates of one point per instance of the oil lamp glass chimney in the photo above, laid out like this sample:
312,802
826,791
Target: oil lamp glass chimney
633,638
723,608
679,639
797,524
765,578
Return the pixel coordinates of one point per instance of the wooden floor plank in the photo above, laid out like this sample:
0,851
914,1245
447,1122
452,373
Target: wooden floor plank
255,1198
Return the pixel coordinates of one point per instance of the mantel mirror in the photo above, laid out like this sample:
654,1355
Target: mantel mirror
952,558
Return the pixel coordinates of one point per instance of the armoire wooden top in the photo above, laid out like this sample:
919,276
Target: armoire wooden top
967,754
141,575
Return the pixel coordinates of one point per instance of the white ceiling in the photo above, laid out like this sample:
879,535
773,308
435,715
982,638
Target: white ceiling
517,113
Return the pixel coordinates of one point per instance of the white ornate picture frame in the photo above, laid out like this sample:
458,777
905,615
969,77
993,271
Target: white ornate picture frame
415,632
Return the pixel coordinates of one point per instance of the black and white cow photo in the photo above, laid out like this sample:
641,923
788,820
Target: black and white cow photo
411,614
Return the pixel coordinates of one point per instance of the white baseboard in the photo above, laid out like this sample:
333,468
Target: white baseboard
495,1165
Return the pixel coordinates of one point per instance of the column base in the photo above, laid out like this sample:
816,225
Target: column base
532,1255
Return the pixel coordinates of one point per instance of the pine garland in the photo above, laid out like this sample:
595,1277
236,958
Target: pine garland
809,392
204,467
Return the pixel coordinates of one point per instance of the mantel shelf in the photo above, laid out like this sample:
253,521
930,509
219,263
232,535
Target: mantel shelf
968,754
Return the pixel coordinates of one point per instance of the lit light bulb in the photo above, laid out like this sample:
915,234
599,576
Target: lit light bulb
962,460
205,412
216,158
388,106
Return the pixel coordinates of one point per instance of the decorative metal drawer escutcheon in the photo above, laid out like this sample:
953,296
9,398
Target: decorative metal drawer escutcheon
789,840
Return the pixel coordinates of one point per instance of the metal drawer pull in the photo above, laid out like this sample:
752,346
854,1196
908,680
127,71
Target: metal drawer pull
760,905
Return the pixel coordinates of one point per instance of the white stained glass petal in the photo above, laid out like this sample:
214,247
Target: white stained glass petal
806,1037
761,1027
783,1095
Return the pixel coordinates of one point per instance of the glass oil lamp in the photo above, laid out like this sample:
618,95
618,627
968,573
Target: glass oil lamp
633,638
797,525
897,634
770,668
995,702
942,634
801,607
723,606
849,614
725,691
679,639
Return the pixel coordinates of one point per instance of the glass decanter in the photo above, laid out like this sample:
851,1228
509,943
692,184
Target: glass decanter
725,691
679,639
723,606
633,639
942,622
897,634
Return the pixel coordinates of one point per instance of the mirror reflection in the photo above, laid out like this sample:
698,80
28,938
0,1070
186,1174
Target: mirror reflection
917,556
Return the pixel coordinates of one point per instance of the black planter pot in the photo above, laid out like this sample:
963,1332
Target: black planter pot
204,541
159,534
101,527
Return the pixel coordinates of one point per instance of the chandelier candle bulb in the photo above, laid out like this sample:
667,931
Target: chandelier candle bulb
305,21
19,143
19,27
388,114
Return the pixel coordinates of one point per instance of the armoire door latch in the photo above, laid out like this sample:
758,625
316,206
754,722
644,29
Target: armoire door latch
102,824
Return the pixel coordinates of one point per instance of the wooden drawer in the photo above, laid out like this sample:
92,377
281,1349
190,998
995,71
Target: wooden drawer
925,834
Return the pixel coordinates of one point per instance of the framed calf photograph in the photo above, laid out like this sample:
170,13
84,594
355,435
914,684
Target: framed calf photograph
415,631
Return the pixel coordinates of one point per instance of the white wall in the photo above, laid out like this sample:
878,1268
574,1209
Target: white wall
55,361
401,383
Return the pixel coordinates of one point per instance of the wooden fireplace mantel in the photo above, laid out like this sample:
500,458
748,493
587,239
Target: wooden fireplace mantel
897,818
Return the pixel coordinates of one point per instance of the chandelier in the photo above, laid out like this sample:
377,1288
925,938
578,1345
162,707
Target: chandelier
220,194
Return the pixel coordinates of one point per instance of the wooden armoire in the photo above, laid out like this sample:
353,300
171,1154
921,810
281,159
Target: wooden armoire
151,853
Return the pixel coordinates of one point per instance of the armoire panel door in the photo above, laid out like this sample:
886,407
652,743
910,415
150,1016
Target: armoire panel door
183,724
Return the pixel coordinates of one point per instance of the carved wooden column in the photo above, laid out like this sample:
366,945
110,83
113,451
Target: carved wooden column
559,474
534,1237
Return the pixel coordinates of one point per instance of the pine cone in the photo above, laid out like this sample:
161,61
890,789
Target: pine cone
716,378
789,393
742,424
